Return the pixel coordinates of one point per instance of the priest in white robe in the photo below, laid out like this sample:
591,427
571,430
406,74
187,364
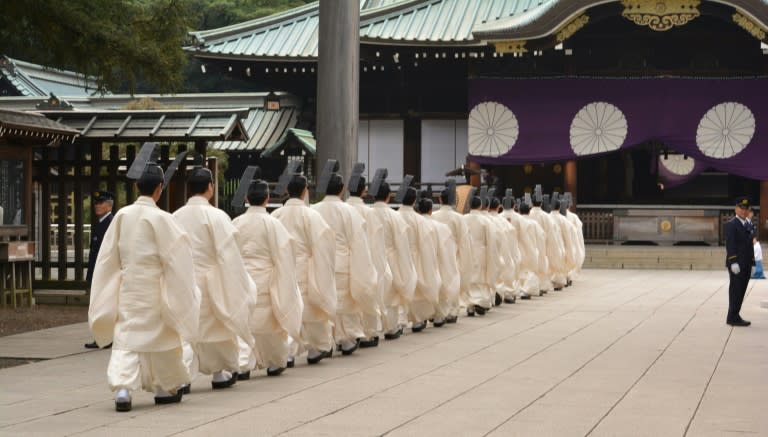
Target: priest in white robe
570,240
553,246
314,248
397,293
528,280
507,281
581,249
374,231
144,298
356,286
485,257
446,261
265,246
228,292
447,215
424,254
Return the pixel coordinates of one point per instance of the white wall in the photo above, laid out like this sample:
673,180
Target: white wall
380,145
443,148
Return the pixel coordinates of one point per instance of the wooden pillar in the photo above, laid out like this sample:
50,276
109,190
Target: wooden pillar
763,225
338,84
569,176
474,180
412,147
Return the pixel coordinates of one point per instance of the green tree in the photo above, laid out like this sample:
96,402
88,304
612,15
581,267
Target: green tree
120,42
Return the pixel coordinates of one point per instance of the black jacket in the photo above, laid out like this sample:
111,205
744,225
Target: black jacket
97,234
738,244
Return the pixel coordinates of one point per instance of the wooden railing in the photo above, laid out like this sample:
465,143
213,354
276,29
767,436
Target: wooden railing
598,220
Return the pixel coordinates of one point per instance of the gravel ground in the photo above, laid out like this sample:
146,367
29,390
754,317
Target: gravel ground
24,319
16,321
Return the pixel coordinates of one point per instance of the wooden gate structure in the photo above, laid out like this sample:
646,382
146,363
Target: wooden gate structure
97,160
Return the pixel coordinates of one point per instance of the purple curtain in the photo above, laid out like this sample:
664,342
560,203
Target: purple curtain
720,123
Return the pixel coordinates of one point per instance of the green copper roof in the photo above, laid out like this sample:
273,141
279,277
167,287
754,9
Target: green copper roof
292,35
37,80
302,138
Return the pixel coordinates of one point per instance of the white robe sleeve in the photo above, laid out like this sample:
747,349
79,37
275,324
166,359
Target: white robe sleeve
321,288
362,273
287,305
105,288
403,267
232,291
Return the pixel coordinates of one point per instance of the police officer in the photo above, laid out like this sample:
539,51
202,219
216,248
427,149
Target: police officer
739,259
103,202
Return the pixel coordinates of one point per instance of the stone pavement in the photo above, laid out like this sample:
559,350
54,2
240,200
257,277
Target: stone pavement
621,353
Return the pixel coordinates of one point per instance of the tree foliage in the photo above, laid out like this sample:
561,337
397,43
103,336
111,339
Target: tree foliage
120,42
220,13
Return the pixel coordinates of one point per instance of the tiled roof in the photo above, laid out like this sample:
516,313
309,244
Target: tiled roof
262,128
36,80
292,35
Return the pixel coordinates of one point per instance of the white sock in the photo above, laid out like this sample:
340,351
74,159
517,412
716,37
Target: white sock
222,376
162,393
123,395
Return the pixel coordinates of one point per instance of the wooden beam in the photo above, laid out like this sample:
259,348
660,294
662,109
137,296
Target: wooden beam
338,83
570,178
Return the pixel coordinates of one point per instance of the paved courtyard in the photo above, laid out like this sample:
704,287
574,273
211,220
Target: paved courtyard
621,353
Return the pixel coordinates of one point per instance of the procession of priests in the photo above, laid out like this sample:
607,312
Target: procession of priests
195,292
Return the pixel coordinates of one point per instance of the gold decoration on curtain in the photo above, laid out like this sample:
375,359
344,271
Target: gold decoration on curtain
750,26
660,15
572,27
511,46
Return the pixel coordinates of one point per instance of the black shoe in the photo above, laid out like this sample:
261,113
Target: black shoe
418,327
740,322
243,376
351,350
393,335
480,310
290,363
315,360
451,319
328,353
438,324
497,300
373,342
275,371
185,389
569,283
225,384
525,297
558,288
92,345
173,399
510,299
122,406
338,347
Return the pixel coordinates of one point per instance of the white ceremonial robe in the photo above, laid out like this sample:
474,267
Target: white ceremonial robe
513,219
450,281
554,249
545,283
228,293
507,282
485,257
528,237
424,255
314,247
570,242
374,230
144,299
579,226
455,221
267,252
398,292
356,286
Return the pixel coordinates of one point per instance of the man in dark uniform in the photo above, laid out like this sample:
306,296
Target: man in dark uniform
103,202
739,259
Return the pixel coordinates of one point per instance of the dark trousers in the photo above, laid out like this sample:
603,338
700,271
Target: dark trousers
736,290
